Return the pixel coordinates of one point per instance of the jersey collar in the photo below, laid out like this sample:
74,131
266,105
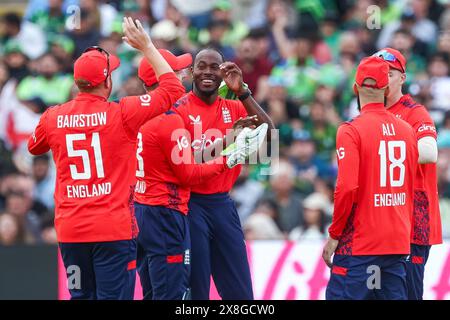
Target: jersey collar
89,96
373,107
201,103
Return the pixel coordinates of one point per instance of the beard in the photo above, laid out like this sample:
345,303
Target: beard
206,93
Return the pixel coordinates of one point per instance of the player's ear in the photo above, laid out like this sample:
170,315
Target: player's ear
403,77
107,82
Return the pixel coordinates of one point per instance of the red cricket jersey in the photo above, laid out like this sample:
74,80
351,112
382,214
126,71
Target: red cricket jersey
165,164
205,124
427,227
93,143
377,159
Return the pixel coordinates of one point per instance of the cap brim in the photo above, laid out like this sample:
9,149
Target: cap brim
183,61
114,62
395,66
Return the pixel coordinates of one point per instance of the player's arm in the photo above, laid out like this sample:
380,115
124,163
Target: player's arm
175,142
135,36
232,76
428,150
139,109
37,143
426,135
346,191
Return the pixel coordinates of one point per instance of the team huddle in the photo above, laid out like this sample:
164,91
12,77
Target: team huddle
143,183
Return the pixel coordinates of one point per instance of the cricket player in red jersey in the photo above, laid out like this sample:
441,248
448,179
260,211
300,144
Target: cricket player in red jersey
377,159
426,223
217,240
165,171
93,142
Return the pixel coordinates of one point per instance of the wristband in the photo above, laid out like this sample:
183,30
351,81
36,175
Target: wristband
245,95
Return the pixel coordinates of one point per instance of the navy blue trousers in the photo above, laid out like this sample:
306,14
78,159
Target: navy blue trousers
367,278
163,259
100,270
218,248
415,270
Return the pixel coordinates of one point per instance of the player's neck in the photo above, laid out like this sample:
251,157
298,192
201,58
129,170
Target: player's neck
208,99
391,100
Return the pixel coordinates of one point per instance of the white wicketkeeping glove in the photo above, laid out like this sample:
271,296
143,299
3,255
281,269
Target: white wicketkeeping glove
247,142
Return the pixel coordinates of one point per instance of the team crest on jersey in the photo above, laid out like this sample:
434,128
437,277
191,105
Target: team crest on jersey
226,115
195,120
398,116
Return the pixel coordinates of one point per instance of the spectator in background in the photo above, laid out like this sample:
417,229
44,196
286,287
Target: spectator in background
165,34
283,193
413,19
222,10
349,45
87,34
51,19
21,120
438,70
15,60
18,204
246,192
103,15
327,95
217,30
62,48
262,223
52,86
30,37
403,41
444,41
299,71
280,107
44,180
330,33
10,231
255,66
314,219
235,31
48,232
321,129
308,166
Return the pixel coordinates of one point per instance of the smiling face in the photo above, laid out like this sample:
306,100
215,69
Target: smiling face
206,72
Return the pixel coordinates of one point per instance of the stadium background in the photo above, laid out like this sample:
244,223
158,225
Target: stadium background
299,59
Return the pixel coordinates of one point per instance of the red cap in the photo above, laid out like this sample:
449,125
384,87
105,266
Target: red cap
92,66
147,74
394,58
372,68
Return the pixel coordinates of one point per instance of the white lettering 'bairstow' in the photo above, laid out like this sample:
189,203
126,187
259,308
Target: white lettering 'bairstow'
81,120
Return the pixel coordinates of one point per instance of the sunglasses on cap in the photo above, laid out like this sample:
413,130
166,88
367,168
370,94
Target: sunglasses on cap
387,56
99,49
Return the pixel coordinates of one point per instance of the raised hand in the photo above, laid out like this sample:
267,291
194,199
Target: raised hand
232,76
135,35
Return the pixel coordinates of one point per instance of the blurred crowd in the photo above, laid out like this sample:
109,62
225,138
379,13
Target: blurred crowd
298,58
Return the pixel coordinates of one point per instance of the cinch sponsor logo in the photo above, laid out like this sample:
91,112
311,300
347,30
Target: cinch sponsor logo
426,127
200,144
